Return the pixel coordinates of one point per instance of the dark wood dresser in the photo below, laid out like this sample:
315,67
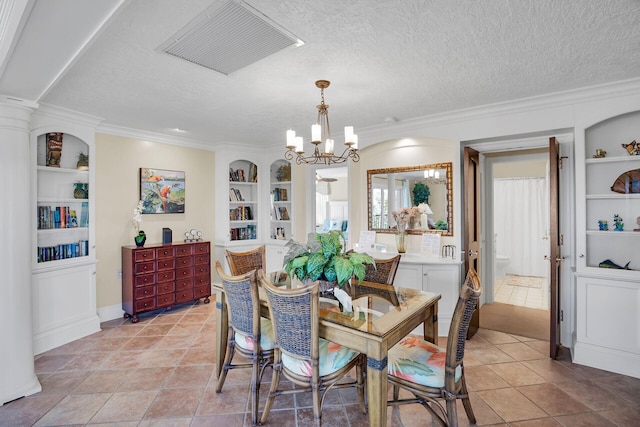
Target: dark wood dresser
161,276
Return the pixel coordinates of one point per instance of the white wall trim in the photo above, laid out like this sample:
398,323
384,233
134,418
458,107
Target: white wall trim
110,312
56,337
567,99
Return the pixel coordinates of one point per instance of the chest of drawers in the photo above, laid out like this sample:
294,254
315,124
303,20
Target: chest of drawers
160,276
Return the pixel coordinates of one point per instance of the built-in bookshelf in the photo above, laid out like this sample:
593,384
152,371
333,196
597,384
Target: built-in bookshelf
281,214
607,288
243,200
62,203
63,279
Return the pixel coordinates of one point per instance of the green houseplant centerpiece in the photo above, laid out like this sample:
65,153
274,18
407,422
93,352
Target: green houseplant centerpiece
322,258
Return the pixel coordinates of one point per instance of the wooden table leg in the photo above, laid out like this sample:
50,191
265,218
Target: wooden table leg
431,324
222,329
377,391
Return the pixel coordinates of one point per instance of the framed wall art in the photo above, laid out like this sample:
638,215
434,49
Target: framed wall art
162,191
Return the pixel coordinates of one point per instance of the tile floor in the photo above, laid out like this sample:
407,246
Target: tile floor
531,292
160,372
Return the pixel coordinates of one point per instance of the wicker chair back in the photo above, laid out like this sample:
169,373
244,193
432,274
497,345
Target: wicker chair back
294,313
244,262
241,293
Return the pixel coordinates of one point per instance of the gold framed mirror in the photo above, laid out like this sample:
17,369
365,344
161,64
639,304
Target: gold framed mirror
390,190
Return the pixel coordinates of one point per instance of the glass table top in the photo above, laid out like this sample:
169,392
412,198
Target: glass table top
376,308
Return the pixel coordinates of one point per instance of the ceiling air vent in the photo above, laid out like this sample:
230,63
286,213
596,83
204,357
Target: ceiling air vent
228,38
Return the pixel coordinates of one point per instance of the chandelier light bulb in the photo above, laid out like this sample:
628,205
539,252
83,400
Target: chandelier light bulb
291,139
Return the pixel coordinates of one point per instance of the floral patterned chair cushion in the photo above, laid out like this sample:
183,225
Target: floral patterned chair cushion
332,357
266,337
419,361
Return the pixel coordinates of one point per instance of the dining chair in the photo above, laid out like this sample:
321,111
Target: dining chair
382,271
432,373
244,262
308,361
249,334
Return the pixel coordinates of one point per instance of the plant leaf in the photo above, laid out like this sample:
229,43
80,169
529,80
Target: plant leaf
344,270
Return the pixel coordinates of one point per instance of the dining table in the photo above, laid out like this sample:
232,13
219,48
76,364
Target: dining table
379,317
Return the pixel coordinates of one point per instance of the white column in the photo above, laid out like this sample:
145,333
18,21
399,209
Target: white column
17,373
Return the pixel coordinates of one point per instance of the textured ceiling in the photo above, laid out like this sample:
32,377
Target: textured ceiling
392,59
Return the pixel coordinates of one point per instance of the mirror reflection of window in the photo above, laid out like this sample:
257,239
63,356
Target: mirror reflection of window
427,188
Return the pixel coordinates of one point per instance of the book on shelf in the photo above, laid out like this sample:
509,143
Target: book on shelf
243,233
235,195
279,194
284,215
240,213
50,217
236,175
253,173
63,251
84,215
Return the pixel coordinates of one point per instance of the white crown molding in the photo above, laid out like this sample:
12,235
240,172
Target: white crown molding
155,137
523,105
66,114
163,138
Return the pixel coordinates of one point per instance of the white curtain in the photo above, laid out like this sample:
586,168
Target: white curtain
520,213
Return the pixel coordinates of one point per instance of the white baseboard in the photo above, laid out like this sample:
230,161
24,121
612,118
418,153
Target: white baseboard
56,337
607,359
111,312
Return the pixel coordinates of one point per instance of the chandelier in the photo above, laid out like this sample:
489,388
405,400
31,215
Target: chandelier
322,132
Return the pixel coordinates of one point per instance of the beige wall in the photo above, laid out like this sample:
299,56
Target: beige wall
520,169
118,161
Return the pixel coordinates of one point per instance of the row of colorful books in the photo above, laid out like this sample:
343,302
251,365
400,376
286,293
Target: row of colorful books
281,213
63,251
243,233
50,217
279,194
241,213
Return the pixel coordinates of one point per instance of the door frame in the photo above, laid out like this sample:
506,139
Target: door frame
567,213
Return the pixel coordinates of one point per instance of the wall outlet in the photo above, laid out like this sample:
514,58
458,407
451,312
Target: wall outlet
119,274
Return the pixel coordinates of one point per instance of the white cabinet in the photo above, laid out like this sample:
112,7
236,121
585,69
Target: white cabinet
275,257
437,275
607,299
63,240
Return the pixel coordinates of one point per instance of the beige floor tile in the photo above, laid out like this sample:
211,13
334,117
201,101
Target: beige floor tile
489,355
481,377
77,409
101,382
521,351
516,374
552,399
125,406
587,419
511,405
189,376
233,399
178,402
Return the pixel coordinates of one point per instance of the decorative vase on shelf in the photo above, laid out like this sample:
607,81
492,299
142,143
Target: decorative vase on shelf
81,190
140,239
401,241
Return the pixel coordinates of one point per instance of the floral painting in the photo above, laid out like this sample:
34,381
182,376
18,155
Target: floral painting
161,191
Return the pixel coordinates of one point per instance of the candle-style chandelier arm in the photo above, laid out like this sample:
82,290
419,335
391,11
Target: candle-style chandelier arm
318,157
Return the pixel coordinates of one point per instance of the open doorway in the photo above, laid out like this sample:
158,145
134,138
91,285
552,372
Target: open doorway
517,240
331,200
